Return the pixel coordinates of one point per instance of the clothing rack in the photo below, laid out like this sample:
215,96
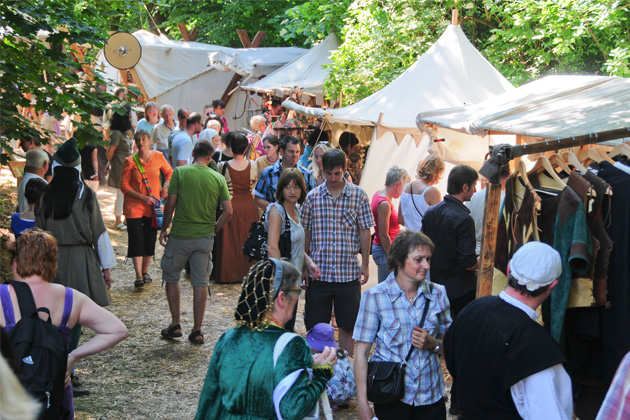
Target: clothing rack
501,155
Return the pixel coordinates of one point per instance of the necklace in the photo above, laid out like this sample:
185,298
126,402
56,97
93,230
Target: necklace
273,321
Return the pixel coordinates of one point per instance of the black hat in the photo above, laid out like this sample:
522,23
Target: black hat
68,154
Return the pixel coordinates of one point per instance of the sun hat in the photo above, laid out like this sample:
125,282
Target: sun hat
535,265
320,336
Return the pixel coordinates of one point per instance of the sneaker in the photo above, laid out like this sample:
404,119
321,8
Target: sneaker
77,387
121,226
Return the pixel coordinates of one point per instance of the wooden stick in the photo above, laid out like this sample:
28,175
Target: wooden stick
489,239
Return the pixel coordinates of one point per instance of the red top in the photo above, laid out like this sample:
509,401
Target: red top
131,179
394,227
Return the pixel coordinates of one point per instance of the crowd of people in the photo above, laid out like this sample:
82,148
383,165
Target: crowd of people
200,186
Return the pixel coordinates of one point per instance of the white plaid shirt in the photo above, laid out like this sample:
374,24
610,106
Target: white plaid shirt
334,225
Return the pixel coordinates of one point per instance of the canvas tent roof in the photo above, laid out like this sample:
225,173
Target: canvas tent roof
254,62
451,73
178,73
552,107
305,72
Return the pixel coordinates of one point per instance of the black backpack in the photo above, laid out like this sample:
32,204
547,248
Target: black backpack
41,354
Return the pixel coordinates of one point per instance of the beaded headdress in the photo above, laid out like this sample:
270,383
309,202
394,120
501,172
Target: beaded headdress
260,288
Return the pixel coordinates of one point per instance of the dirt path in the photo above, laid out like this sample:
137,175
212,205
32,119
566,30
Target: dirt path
145,377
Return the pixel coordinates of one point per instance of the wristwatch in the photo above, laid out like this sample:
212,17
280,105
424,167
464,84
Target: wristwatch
436,348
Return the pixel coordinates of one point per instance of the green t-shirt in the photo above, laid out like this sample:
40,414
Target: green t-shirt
199,191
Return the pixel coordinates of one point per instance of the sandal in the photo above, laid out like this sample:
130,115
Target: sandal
171,331
139,282
193,337
146,278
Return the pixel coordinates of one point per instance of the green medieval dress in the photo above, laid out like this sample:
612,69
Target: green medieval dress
241,377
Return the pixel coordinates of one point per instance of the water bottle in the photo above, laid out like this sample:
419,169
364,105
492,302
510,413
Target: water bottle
159,213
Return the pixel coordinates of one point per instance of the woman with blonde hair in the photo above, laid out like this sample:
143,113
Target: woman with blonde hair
258,123
316,165
420,194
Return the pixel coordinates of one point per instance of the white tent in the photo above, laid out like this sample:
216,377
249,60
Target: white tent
305,72
451,73
553,107
178,73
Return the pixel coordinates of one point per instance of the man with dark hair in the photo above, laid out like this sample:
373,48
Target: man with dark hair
195,191
181,150
337,219
265,191
349,144
316,136
29,143
219,109
182,114
477,204
452,230
506,365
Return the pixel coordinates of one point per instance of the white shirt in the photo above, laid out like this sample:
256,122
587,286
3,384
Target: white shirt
476,205
546,394
22,201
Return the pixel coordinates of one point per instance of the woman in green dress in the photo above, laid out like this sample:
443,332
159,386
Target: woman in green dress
258,369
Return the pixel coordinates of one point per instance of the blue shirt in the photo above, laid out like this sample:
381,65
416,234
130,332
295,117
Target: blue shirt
305,158
268,182
387,319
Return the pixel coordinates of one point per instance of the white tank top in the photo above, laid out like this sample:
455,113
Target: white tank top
413,207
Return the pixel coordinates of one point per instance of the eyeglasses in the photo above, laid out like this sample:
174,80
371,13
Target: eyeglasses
298,291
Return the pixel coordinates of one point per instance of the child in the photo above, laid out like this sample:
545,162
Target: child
341,388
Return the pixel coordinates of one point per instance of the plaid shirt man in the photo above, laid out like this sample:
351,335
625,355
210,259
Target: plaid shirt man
268,182
334,224
387,318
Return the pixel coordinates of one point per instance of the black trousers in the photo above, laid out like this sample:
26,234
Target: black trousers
400,411
457,305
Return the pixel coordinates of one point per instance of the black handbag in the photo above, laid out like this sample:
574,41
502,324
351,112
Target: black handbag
386,380
255,247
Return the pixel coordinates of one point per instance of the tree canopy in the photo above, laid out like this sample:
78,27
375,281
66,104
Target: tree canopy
524,39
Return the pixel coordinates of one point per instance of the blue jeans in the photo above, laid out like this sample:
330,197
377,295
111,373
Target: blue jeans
380,258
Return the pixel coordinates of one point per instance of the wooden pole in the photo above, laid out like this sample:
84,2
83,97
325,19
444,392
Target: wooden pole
242,34
489,239
455,17
185,34
136,80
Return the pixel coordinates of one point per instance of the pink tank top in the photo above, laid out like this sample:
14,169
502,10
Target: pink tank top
394,227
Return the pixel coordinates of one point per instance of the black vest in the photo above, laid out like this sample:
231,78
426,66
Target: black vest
491,346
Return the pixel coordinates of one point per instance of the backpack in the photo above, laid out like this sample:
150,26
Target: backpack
41,354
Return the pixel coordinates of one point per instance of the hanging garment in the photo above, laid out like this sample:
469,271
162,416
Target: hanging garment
616,319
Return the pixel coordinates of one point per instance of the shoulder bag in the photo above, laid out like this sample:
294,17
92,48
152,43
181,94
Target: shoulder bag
158,209
386,380
255,247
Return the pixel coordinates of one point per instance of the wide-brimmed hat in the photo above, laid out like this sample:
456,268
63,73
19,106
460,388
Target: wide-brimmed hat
320,336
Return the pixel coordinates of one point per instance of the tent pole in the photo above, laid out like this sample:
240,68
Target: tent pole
489,238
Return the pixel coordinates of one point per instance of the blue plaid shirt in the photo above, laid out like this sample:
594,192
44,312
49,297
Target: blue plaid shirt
268,181
387,318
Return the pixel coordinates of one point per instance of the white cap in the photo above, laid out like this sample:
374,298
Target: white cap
535,265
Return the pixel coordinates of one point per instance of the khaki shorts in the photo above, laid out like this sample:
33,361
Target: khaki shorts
198,251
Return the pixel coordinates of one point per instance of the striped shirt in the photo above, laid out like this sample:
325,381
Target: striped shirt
334,224
386,305
616,405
